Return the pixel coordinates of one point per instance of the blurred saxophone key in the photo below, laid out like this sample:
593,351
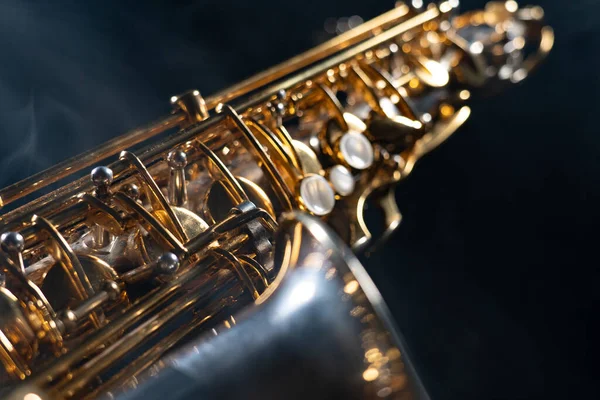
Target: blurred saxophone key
279,107
502,43
192,104
431,72
177,191
389,108
308,158
342,180
356,150
317,195
398,131
28,392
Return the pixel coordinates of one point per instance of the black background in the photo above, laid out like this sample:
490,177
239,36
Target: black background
492,276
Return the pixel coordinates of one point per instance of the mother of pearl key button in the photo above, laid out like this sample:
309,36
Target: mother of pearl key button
356,150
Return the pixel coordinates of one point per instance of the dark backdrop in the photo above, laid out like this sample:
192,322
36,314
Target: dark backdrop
492,276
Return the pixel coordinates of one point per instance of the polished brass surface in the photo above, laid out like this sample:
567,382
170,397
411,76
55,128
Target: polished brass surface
205,237
219,200
192,104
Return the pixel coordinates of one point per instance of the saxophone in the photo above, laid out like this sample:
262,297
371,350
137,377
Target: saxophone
217,260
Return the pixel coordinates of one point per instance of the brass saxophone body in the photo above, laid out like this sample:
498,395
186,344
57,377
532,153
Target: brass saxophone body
215,260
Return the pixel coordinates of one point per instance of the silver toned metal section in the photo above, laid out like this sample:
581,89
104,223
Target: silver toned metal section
177,191
13,244
165,265
322,309
102,178
131,190
73,317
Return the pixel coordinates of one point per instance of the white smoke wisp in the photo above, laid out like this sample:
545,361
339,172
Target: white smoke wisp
63,89
99,69
25,154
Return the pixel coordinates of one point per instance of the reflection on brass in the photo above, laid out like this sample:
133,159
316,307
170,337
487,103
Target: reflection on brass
398,132
333,104
287,143
276,154
151,224
384,81
236,189
309,162
198,240
156,197
282,187
192,224
192,104
219,201
515,27
68,261
18,343
430,72
57,287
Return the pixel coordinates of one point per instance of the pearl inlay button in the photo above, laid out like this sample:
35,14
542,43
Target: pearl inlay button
356,150
317,195
341,179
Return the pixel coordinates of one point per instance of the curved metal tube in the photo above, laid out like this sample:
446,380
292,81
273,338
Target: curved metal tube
325,325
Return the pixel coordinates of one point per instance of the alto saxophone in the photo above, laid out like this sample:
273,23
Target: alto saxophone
215,261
